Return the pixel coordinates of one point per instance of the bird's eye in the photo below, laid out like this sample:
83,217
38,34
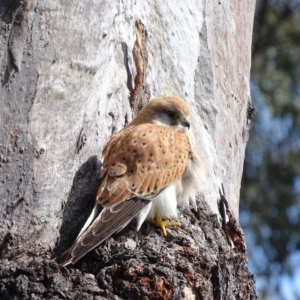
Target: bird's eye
172,114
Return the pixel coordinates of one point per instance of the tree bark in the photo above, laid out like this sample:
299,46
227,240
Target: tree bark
72,74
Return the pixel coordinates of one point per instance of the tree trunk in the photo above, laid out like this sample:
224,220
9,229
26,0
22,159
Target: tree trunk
72,74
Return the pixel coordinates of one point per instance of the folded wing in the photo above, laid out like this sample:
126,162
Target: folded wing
139,162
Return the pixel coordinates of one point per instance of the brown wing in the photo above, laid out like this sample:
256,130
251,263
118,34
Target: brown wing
139,162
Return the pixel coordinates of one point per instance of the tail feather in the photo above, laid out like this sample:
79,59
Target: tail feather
96,230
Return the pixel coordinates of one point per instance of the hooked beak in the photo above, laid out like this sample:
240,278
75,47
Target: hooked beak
186,123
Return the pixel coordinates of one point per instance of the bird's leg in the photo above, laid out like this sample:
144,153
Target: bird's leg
162,224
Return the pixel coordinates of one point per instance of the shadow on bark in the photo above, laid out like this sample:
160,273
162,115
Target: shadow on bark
80,202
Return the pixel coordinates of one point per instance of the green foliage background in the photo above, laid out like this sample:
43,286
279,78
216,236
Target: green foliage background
270,207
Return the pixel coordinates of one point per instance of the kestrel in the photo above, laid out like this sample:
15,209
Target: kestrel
148,168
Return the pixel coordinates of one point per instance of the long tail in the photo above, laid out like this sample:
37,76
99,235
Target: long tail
98,228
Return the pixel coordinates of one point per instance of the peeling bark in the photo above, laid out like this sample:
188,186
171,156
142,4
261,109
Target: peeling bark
140,94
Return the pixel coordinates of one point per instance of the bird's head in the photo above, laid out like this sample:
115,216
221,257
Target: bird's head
168,111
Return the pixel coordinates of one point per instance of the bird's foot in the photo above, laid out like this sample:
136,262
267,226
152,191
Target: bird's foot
162,224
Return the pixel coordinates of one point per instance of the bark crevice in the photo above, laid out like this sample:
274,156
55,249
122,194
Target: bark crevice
192,262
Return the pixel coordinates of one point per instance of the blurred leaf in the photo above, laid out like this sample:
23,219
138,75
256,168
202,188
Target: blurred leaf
271,182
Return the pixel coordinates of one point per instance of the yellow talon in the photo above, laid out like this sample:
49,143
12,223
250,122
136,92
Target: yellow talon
158,221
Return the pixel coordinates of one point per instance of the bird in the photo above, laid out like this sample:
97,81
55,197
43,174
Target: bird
149,167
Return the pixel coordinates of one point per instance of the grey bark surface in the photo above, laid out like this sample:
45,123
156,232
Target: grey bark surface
71,75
